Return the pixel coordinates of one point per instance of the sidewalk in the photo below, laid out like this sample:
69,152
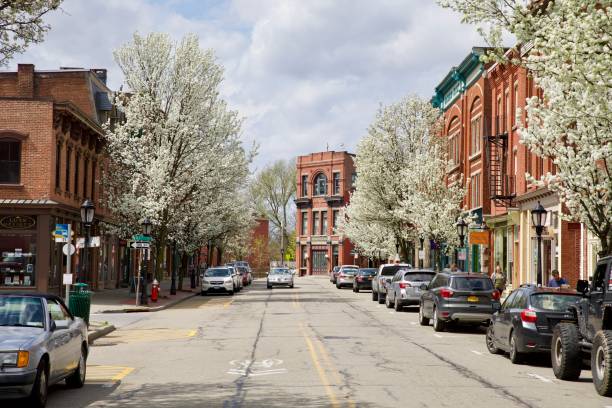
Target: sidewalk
122,301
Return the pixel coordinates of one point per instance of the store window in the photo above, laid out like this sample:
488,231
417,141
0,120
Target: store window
10,161
17,251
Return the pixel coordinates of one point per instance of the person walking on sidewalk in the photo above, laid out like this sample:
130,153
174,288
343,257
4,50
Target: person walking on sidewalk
499,279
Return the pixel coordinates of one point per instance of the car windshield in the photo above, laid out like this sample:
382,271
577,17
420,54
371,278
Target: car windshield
23,311
391,270
279,271
475,284
217,272
553,301
349,271
367,272
419,276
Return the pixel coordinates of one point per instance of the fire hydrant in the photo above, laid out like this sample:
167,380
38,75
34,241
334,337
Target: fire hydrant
154,290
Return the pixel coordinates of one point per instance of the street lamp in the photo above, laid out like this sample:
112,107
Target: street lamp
538,218
462,227
87,216
397,245
146,231
422,252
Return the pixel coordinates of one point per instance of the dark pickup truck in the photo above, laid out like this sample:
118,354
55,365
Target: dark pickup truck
587,335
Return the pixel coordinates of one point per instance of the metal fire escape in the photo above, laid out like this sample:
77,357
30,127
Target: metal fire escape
501,184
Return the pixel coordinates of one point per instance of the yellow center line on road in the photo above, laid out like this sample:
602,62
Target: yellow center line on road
296,301
123,374
227,304
320,370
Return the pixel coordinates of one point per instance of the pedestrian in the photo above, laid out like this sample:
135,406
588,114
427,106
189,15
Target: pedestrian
556,281
453,268
499,279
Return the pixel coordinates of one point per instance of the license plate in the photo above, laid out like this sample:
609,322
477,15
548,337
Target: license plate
217,287
473,299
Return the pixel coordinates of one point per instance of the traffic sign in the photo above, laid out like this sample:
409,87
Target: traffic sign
61,230
140,245
94,242
68,249
141,238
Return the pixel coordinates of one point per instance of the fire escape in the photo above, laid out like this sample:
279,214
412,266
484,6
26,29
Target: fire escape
501,184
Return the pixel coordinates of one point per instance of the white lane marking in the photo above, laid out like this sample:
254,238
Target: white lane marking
413,323
256,368
539,377
438,336
391,312
478,353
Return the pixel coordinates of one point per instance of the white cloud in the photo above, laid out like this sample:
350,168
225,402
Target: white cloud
304,73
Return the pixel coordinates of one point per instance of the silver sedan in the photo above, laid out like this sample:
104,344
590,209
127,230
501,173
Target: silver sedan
41,343
405,287
280,277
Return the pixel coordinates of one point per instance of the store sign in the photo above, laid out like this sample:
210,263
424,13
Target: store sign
18,222
479,237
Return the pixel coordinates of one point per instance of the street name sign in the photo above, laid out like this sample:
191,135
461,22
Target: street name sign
140,245
141,238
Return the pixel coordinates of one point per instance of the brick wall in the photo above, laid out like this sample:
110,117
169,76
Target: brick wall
570,248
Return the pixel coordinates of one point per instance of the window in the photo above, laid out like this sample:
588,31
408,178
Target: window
508,118
475,190
304,186
499,116
18,257
599,277
335,255
304,223
315,223
353,179
304,257
335,215
476,135
57,311
85,176
68,162
323,222
10,161
454,131
77,163
516,101
320,185
58,165
93,180
336,183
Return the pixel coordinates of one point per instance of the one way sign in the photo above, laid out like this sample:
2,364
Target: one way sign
140,245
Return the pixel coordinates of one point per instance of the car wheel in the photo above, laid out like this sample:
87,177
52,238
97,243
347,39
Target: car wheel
565,352
398,305
231,293
38,396
491,341
77,379
423,321
291,286
381,299
516,357
438,325
601,363
388,302
269,286
202,293
374,295
338,286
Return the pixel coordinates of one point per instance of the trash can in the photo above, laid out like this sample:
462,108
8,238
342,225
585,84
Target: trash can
80,301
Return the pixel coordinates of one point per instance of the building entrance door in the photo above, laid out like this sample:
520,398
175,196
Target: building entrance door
319,262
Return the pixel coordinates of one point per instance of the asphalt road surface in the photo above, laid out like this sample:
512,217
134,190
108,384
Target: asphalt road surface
311,346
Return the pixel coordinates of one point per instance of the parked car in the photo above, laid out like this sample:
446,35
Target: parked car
334,274
244,275
218,279
383,276
458,298
405,287
587,336
346,275
41,343
237,278
526,320
363,279
280,277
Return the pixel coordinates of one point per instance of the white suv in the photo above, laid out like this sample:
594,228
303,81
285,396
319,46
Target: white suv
217,279
383,278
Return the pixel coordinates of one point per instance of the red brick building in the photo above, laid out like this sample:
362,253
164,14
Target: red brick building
50,161
324,182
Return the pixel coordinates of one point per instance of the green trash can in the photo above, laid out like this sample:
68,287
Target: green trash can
79,302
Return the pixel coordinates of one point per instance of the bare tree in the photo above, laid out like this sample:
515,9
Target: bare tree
21,23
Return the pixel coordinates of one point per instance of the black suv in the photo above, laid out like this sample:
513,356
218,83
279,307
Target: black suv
588,334
526,320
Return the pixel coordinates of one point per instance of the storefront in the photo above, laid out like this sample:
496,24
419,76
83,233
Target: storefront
504,249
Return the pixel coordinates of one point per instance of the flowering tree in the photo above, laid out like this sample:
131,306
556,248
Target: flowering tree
568,48
401,191
177,156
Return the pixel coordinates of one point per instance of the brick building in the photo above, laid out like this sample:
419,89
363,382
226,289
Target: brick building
324,182
50,161
479,102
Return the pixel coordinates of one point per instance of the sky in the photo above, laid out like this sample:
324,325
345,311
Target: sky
306,75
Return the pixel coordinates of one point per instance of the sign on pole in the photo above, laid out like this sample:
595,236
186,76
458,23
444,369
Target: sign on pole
94,242
140,245
141,238
68,249
61,232
461,255
67,279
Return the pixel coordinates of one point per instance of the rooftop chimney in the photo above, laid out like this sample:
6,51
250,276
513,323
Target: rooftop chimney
25,80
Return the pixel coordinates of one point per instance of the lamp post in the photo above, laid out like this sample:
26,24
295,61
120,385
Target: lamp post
461,230
397,245
87,216
538,217
422,252
146,231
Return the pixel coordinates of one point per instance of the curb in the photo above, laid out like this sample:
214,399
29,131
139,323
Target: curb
150,309
100,333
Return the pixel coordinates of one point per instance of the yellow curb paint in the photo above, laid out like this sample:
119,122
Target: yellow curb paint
126,371
192,333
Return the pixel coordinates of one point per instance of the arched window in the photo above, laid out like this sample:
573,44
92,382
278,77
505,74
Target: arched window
10,161
320,185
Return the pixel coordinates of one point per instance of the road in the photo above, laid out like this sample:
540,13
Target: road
312,346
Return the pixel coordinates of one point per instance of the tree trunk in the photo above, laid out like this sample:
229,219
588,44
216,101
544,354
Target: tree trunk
182,270
160,247
605,240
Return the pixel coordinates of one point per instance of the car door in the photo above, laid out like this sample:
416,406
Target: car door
503,320
59,342
597,297
74,349
427,301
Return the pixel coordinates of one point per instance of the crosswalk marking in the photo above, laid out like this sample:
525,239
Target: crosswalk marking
106,374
